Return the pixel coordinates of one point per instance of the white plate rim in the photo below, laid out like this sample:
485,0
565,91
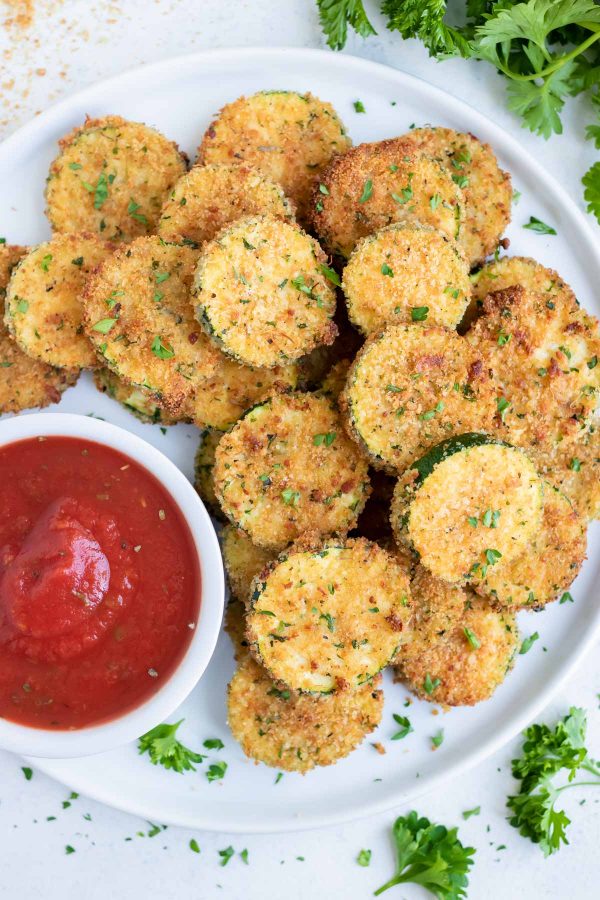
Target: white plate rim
510,148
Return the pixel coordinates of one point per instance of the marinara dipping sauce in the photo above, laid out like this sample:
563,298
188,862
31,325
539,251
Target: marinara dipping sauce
99,583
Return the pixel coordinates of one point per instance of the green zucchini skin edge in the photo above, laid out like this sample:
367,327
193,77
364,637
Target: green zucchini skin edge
426,464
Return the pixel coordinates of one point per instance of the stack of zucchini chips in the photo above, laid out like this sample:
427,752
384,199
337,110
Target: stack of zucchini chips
397,423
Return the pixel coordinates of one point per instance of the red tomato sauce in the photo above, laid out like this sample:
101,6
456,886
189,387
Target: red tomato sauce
99,583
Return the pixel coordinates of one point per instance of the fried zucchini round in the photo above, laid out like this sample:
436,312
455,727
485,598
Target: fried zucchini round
136,400
243,561
286,468
487,189
262,295
410,388
208,198
403,268
43,300
543,352
548,566
112,177
575,470
469,504
329,619
296,732
515,270
138,315
334,381
289,137
235,626
204,463
374,185
461,649
25,383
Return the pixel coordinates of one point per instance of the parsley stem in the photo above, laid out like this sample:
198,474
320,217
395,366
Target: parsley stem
573,784
558,64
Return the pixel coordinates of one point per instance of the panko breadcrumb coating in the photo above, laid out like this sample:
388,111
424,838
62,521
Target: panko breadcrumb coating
208,198
243,561
542,349
411,387
25,383
112,177
548,566
286,468
204,463
508,271
296,732
261,292
486,187
334,381
469,504
330,618
44,300
374,185
575,470
402,268
289,137
461,649
136,400
235,626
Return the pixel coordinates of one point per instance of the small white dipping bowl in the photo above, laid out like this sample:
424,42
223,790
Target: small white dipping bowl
130,725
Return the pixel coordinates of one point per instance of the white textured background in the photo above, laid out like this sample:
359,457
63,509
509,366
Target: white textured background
68,45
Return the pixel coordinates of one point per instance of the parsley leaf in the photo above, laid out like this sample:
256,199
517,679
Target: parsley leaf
336,15
545,754
163,747
405,727
591,194
430,855
538,226
424,19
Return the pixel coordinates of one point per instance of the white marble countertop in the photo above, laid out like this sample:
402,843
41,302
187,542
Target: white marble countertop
68,45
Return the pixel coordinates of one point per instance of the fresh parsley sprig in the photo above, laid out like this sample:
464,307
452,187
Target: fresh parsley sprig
164,749
549,50
546,754
430,855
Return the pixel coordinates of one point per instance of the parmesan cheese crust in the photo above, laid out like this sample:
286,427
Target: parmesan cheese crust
287,467
208,198
25,383
548,566
479,507
461,649
329,619
44,300
112,178
486,188
289,137
402,268
136,400
261,292
374,185
204,463
410,388
296,732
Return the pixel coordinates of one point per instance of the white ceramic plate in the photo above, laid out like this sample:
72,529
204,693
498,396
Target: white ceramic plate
180,96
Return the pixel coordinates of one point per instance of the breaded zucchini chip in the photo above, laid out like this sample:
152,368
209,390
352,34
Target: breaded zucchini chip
25,383
575,470
138,314
411,387
208,198
509,271
487,189
469,504
287,136
112,177
334,381
461,649
204,463
286,468
402,269
297,732
543,351
374,185
243,561
136,400
329,619
548,566
261,292
235,626
44,300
